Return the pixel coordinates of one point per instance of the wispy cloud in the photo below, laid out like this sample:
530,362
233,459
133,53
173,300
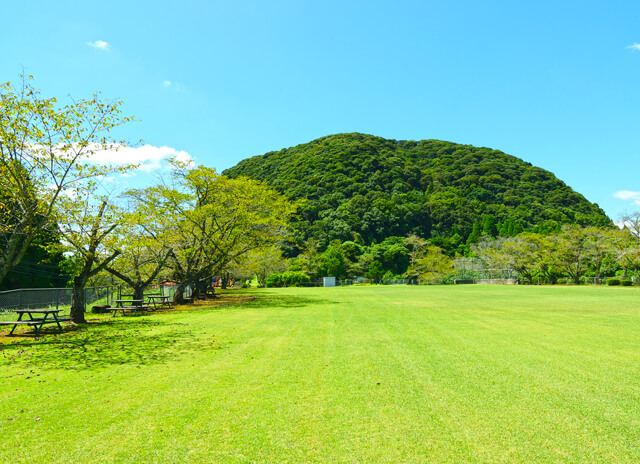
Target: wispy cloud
628,195
173,85
100,45
635,47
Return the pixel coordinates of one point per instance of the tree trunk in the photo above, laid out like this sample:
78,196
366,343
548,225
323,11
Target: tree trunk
77,300
178,296
202,286
138,291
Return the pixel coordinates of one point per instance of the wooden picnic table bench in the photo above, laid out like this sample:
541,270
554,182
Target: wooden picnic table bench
160,301
129,302
130,308
36,322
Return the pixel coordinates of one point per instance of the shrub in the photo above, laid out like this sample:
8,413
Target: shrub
287,279
613,281
627,283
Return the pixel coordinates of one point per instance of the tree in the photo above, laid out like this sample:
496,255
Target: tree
434,264
626,242
211,221
571,251
44,152
376,270
84,227
416,246
600,248
144,251
333,262
261,262
309,260
518,253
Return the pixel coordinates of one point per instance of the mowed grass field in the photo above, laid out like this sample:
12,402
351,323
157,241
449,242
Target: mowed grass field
457,374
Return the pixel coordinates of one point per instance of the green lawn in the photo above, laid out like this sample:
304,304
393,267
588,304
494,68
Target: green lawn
354,375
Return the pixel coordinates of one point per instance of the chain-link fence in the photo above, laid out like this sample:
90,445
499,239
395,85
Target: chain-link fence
59,298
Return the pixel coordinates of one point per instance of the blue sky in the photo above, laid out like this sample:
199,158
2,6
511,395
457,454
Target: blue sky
554,83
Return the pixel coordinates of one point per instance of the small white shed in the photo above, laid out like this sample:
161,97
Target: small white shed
329,281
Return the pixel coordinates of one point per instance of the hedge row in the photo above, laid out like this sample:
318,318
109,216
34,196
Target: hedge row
287,279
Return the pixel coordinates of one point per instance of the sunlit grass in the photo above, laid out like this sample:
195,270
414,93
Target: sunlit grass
370,374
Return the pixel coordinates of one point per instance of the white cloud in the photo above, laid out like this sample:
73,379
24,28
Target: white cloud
100,45
148,157
628,195
173,85
635,47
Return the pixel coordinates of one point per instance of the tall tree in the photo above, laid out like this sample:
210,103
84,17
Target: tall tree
416,246
44,149
144,251
627,243
85,226
211,221
434,264
261,262
600,248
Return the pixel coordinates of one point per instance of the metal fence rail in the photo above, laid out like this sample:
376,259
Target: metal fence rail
59,298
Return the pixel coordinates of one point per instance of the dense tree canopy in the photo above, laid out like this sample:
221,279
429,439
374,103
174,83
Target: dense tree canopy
361,187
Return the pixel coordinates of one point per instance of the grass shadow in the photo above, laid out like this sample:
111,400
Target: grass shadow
101,344
277,301
107,341
248,299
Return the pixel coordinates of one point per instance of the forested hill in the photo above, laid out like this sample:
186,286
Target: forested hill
369,188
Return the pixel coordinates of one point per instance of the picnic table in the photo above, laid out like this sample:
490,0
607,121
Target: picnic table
161,301
128,305
41,318
128,302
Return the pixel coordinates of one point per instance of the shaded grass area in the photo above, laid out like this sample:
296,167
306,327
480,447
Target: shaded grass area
369,374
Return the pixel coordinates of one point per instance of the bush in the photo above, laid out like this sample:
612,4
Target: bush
627,283
287,279
613,281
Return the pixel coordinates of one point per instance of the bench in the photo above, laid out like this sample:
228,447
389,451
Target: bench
37,322
133,309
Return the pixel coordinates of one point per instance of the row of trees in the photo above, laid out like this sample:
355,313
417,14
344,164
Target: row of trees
186,228
571,253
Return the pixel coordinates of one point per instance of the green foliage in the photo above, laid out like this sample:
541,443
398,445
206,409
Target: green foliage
211,222
376,270
626,283
287,279
44,159
357,185
41,265
613,282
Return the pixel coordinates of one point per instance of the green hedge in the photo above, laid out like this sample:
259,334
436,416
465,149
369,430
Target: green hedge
613,281
627,283
287,279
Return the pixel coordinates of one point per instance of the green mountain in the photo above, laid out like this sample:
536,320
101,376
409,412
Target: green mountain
362,187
